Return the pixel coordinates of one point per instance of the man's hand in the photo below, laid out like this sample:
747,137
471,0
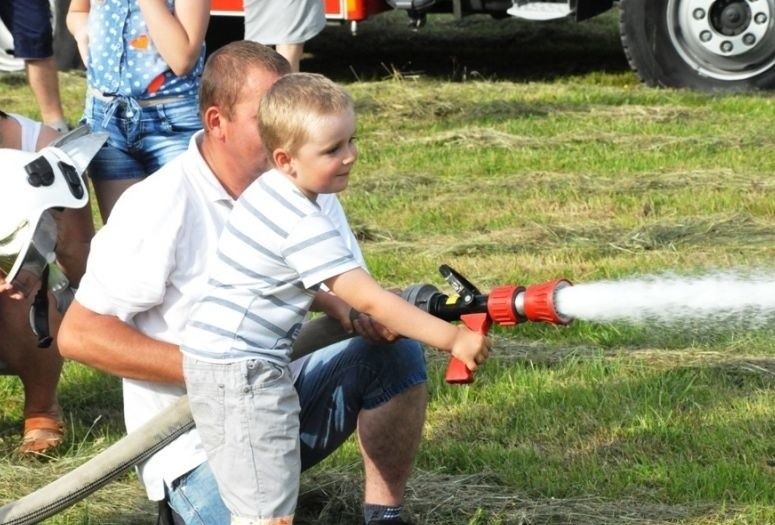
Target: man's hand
369,329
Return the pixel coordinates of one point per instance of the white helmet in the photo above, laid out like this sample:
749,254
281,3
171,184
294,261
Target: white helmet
32,184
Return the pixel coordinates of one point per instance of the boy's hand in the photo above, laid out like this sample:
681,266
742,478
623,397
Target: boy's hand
472,348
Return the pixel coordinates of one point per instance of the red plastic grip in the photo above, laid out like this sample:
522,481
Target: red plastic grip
457,372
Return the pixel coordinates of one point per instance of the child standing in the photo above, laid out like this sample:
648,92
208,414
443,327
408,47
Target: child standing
143,62
275,252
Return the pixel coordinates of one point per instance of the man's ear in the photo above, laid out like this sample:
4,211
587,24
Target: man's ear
211,120
282,160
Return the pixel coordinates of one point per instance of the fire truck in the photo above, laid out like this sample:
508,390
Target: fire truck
705,45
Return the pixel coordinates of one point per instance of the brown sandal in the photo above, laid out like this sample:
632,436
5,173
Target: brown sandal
41,434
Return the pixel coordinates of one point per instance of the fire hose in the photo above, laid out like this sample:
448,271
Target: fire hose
504,306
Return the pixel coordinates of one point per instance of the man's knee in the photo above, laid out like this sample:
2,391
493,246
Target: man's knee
401,367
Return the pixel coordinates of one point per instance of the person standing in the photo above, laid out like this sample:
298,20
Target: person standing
147,267
143,62
29,22
286,25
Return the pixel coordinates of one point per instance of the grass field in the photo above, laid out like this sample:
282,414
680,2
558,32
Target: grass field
519,153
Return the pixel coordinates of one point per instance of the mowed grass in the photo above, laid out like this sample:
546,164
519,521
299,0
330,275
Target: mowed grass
517,176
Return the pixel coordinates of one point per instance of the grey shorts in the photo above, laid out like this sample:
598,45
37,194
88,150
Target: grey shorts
247,414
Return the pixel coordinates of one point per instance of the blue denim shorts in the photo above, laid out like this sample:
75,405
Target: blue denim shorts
29,22
142,138
334,385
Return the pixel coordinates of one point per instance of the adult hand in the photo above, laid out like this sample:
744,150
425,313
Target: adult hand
20,287
371,330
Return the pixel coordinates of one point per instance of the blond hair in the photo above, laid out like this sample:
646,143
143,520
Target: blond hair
294,105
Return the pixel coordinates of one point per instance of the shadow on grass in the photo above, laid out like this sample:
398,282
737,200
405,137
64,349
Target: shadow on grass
476,47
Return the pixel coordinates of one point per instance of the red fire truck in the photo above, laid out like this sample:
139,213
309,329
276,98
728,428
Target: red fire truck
708,45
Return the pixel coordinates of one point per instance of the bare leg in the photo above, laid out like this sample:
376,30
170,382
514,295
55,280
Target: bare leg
43,77
107,193
38,369
389,437
292,53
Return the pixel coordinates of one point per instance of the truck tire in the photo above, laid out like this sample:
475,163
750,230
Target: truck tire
706,45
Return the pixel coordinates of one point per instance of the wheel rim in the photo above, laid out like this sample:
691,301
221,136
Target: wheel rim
724,39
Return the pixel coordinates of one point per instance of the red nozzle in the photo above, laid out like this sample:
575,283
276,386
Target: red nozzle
538,302
500,305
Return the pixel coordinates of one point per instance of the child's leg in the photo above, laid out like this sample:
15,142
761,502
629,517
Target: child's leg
247,414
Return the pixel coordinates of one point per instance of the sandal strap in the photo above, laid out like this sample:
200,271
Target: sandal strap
43,423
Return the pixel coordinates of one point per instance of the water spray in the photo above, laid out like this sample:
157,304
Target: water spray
504,305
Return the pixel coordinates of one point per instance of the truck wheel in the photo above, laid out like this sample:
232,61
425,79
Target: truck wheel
708,45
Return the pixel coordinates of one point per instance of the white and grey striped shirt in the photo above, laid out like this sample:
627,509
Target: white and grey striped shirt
275,250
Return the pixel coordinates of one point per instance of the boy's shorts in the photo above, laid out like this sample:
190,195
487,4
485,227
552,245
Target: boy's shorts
333,384
29,22
247,414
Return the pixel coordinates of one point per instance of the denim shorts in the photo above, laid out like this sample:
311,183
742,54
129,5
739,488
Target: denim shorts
334,384
143,138
29,22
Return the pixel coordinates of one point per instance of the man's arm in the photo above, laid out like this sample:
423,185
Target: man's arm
112,346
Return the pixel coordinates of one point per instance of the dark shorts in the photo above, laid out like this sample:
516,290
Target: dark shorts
29,22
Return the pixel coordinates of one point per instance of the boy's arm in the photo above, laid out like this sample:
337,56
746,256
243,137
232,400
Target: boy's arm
351,320
359,289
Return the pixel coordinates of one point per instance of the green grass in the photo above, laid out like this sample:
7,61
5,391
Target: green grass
515,173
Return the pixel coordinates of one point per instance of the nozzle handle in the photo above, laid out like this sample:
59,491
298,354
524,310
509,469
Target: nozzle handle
457,372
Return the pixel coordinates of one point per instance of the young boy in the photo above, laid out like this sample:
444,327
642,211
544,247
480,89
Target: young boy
275,252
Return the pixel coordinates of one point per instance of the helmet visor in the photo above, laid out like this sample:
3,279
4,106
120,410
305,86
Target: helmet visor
25,249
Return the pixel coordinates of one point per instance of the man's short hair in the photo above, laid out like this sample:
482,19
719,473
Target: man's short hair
294,105
226,71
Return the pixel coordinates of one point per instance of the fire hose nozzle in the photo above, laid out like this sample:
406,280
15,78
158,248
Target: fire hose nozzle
537,302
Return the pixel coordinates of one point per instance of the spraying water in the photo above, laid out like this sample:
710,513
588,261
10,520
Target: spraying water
720,298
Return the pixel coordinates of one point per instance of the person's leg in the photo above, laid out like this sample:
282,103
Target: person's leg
292,53
389,437
381,390
247,414
43,77
38,369
107,192
195,500
33,42
114,168
340,387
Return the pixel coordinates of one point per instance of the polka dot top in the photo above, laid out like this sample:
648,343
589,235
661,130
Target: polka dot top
123,60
